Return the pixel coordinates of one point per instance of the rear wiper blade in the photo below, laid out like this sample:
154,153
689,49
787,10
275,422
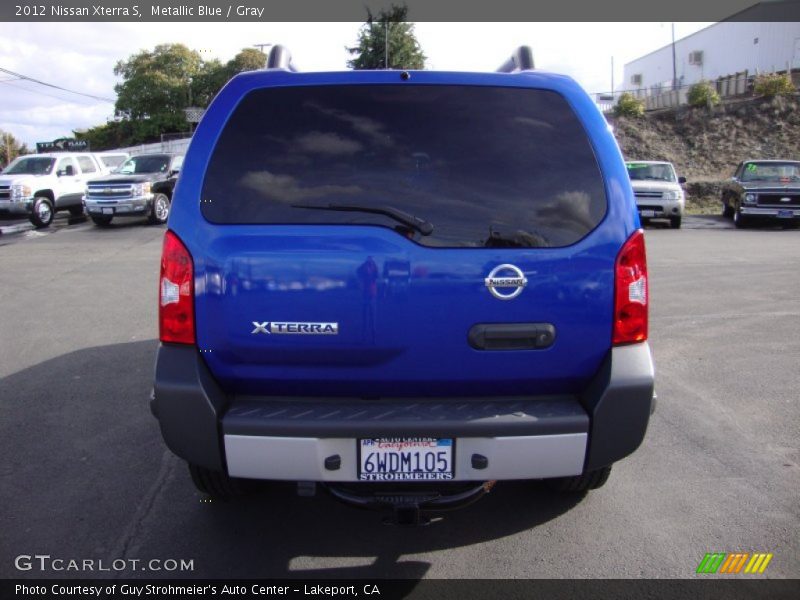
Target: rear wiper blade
421,225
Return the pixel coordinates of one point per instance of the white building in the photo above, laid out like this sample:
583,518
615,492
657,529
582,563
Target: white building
720,50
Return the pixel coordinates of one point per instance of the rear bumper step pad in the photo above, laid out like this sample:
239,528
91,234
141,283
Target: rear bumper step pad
440,417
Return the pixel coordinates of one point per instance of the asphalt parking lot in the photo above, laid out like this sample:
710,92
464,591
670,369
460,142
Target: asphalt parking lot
85,474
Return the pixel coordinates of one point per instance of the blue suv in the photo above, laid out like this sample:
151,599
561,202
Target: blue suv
403,286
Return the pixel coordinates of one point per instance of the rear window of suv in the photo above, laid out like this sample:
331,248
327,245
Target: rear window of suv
485,166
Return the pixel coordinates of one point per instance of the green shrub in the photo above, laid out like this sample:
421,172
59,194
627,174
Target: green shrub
703,94
629,105
773,84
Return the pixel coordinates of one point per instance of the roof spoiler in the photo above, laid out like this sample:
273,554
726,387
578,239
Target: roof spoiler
280,58
520,60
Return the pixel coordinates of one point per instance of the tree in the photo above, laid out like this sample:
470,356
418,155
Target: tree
172,77
213,75
404,52
10,148
157,86
205,85
248,59
157,82
130,132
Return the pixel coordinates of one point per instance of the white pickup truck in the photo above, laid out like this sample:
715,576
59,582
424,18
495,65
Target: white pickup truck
38,185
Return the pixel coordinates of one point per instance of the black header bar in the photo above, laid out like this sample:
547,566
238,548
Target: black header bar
419,10
711,588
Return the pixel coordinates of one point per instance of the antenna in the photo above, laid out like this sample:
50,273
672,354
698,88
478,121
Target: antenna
280,58
520,60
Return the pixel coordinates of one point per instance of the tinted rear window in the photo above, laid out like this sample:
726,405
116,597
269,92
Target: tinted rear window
486,166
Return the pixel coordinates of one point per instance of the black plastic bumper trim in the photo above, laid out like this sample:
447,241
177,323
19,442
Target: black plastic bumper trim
619,401
436,417
187,402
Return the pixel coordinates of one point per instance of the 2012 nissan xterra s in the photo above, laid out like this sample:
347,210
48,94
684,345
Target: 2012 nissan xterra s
403,286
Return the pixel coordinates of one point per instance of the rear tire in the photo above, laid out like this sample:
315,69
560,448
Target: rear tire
590,480
159,212
215,483
675,222
43,212
101,221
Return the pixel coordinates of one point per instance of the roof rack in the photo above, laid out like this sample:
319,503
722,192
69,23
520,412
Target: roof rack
280,58
520,60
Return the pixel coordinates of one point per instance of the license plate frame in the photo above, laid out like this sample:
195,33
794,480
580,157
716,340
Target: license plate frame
412,446
107,210
648,213
785,214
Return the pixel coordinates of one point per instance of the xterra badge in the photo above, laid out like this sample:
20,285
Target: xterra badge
270,327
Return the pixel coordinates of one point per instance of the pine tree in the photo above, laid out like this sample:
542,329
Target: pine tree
403,51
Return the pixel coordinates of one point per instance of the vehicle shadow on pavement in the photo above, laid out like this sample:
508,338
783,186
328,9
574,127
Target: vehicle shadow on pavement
86,475
125,223
287,536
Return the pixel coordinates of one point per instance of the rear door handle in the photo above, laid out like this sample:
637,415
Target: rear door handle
511,336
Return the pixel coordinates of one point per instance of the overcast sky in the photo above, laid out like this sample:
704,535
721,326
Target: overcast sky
81,56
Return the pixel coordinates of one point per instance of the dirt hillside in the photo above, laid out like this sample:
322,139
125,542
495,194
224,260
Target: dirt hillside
705,145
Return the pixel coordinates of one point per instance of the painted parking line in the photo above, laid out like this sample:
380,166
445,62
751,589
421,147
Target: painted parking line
15,228
60,223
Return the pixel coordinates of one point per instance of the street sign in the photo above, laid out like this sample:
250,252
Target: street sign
63,145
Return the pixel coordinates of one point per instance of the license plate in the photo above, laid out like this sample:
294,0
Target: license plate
785,214
648,213
405,459
108,211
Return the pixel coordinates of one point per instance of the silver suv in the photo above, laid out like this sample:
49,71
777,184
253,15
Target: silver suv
658,191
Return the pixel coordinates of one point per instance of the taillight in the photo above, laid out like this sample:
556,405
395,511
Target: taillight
630,292
176,293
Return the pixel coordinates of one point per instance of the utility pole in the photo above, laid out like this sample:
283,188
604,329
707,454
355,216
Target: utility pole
386,44
674,68
612,76
261,47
